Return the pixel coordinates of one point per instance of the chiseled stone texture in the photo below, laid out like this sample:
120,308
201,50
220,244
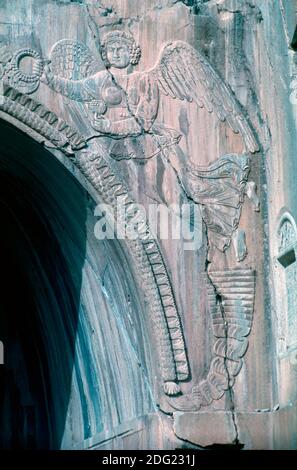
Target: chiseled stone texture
206,429
116,387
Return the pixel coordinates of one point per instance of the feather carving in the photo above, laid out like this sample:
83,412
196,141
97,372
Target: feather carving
184,73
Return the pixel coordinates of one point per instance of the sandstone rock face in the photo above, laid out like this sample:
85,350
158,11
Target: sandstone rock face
161,340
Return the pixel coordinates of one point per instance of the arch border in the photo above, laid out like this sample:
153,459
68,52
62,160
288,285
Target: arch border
47,128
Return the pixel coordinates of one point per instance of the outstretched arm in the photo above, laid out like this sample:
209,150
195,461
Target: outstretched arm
128,127
73,89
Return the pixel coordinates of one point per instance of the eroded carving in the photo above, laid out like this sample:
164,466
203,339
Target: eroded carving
219,189
117,109
40,119
12,72
145,251
239,243
181,72
287,235
123,108
157,286
251,192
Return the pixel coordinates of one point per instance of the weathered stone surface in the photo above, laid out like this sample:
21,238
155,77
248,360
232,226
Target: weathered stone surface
206,428
169,102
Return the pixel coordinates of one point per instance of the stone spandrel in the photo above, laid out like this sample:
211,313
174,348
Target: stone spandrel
117,109
126,121
165,99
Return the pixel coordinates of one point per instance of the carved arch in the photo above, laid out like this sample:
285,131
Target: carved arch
94,174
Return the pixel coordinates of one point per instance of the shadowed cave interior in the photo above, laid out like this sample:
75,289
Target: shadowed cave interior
70,320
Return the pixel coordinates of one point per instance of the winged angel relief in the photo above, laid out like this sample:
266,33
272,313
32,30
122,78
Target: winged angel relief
122,105
121,115
117,109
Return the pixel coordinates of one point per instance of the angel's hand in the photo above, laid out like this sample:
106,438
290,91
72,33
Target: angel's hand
101,124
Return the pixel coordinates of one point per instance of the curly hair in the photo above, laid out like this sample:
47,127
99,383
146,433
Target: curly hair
134,48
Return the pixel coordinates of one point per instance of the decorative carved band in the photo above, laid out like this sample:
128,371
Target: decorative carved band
157,287
41,120
145,251
124,108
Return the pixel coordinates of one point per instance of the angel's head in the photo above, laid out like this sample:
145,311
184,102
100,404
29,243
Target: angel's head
119,49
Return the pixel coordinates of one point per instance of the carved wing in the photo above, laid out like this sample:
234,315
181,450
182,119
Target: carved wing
184,73
72,60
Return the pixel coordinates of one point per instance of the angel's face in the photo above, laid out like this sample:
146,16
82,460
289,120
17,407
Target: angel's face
118,54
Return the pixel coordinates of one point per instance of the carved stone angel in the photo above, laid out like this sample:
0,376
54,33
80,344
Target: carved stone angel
118,108
122,105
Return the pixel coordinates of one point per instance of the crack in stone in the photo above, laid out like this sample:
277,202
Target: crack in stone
194,5
229,377
96,36
187,441
207,262
282,11
220,303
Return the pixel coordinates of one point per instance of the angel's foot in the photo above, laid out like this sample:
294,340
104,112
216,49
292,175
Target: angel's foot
171,388
186,402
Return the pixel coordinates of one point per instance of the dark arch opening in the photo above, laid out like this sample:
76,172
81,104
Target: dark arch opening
43,212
